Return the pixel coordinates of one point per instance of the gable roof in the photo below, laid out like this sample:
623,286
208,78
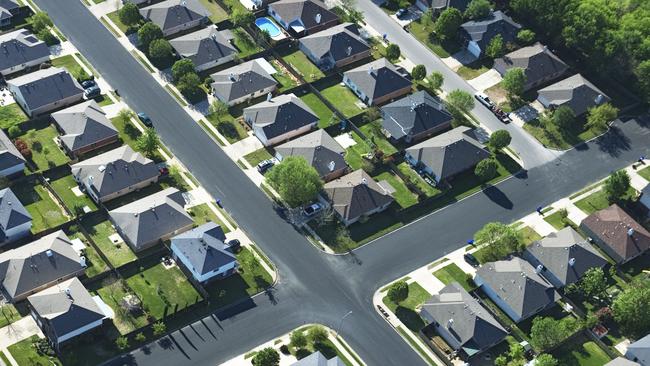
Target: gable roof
319,149
9,154
204,247
518,285
450,153
280,114
7,8
20,47
30,266
465,319
304,11
356,194
620,361
640,350
46,86
318,359
203,46
83,124
482,31
114,170
444,4
537,61
243,79
378,78
414,114
613,227
172,13
566,255
576,92
153,217
12,212
339,42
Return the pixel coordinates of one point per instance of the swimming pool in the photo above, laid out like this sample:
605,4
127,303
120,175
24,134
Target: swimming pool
267,24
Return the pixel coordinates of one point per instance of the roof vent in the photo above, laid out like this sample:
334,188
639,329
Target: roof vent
49,253
331,166
232,77
82,261
364,181
268,97
539,268
68,293
371,70
450,323
630,232
599,99
317,18
413,106
348,51
101,168
572,261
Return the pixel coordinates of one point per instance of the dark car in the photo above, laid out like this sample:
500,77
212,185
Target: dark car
469,258
92,92
88,83
145,119
234,245
401,13
265,165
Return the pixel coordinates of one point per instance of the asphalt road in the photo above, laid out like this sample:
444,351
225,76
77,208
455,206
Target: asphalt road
313,286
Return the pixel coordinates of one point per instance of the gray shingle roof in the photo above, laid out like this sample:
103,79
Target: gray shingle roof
203,46
414,114
317,359
356,194
280,115
575,92
30,266
319,149
83,124
483,30
172,13
304,10
378,78
620,361
115,170
471,324
241,80
12,211
566,255
444,4
450,153
204,247
9,155
537,61
7,8
153,217
640,350
46,86
20,47
340,42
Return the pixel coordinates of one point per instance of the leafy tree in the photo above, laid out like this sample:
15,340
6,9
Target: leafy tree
298,339
218,108
122,343
354,16
547,332
148,142
617,185
526,36
486,169
40,21
564,118
159,328
129,14
46,36
398,292
393,52
296,181
478,9
593,283
160,49
266,357
148,33
545,359
499,140
241,17
496,47
500,239
182,67
435,80
125,115
600,116
460,101
631,309
190,86
642,72
317,334
501,360
447,24
516,351
419,72
514,82
14,131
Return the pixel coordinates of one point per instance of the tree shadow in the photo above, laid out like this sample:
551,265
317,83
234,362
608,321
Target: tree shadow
613,142
497,196
410,318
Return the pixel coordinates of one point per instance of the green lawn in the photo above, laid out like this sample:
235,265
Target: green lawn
415,178
125,321
597,201
115,18
304,66
45,212
526,236
325,115
25,354
354,154
69,63
11,115
555,219
453,273
244,43
405,310
475,69
645,173
343,99
202,214
257,156
217,13
581,354
283,77
228,127
128,132
100,229
8,315
403,196
372,131
103,100
95,263
555,139
63,187
46,153
422,30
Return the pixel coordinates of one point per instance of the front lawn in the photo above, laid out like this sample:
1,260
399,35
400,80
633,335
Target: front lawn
453,273
475,69
405,310
416,179
257,156
556,220
11,115
578,353
228,127
423,30
217,14
342,99
202,214
125,321
63,188
115,18
306,68
100,229
244,43
69,63
46,153
8,315
325,115
372,131
526,236
103,100
45,211
25,353
403,196
559,140
598,201
645,173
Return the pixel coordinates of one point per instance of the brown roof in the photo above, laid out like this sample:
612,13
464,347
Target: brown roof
356,194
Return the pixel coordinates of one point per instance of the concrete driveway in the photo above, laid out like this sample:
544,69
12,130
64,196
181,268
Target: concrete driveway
486,80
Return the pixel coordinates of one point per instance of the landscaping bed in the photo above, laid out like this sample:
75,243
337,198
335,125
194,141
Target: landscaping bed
25,353
45,211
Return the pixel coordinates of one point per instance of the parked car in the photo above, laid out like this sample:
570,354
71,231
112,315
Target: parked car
265,165
469,258
92,92
234,245
312,209
505,118
401,13
88,83
145,119
485,100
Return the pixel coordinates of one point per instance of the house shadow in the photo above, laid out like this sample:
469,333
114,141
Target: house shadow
497,196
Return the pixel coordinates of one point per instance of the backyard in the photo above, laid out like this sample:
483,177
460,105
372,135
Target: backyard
217,14
372,131
45,211
341,97
405,310
403,196
113,293
11,115
325,115
95,264
46,153
75,203
244,43
304,66
581,352
284,77
202,214
101,230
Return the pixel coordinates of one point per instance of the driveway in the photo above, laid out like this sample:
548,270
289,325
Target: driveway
486,80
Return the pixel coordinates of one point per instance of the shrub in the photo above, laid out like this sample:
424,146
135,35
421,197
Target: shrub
398,292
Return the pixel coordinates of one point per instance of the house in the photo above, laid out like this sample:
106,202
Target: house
302,17
243,82
318,359
516,287
462,321
575,92
448,154
357,195
639,351
438,6
477,34
204,252
335,47
206,48
115,173
12,162
617,233
84,127
415,117
38,265
377,82
174,16
45,90
67,310
15,220
644,200
21,50
563,257
8,9
620,361
320,150
539,64
280,118
149,220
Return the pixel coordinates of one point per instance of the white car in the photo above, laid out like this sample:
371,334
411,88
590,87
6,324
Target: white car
312,209
484,99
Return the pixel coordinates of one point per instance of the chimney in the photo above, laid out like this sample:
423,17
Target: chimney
317,18
630,232
572,261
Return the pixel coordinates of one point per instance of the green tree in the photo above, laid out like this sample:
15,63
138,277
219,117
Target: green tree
317,334
266,357
122,343
459,103
129,14
435,80
372,114
298,339
593,283
46,36
516,351
125,115
631,309
547,332
564,118
514,82
398,291
496,47
501,360
419,72
40,21
545,360
642,72
148,142
599,117
14,131
499,140
478,9
500,240
182,67
159,328
160,50
218,108
447,24
295,180
354,16
148,33
393,52
190,86
526,37
617,185
242,17
486,169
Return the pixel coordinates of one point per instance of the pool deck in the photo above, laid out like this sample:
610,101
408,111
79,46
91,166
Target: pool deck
278,37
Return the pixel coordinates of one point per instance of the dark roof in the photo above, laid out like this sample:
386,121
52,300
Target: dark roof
203,46
339,42
317,359
46,86
450,153
640,350
280,115
319,149
12,211
204,247
378,78
620,361
465,319
356,194
444,4
172,13
83,124
305,11
242,80
9,155
482,31
8,8
576,92
20,47
414,114
537,61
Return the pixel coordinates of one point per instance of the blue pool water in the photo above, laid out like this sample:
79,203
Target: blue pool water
266,24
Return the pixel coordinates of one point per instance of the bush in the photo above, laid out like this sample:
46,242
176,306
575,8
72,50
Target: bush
160,50
266,357
526,36
486,169
398,292
477,9
14,131
159,328
122,343
419,72
190,86
285,349
298,339
393,52
317,334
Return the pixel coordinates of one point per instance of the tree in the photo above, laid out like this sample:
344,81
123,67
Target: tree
190,86
447,24
148,142
435,80
478,9
372,114
419,72
129,14
460,101
526,36
593,283
122,343
398,292
296,181
393,52
547,332
298,339
125,115
500,240
516,351
496,47
40,21
242,17
501,360
486,169
159,328
599,117
182,67
160,49
46,36
631,309
354,16
642,72
14,131
545,360
218,108
564,118
317,334
617,185
148,33
266,357
514,82
499,140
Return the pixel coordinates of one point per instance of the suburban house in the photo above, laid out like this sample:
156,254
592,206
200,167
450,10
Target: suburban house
620,361
45,90
204,252
414,117
320,150
357,195
67,310
12,162
639,351
243,82
477,34
149,220
447,154
15,221
206,48
38,265
302,17
21,50
516,287
335,47
115,173
617,233
280,118
438,6
563,257
462,321
84,127
377,82
318,359
539,64
173,16
8,8
575,92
